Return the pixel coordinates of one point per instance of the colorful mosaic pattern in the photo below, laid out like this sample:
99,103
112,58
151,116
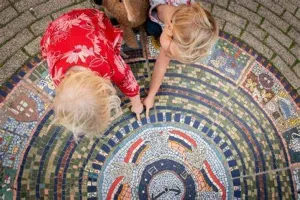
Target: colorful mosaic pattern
225,128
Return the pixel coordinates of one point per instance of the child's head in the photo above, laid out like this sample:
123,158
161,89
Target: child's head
84,102
194,32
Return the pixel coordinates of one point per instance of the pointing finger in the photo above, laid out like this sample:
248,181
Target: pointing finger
147,112
138,116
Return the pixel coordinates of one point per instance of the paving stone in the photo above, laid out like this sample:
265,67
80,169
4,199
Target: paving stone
252,5
229,16
295,2
3,4
296,69
298,14
270,4
27,4
85,4
7,15
281,37
296,51
222,3
206,5
244,12
287,5
11,66
292,20
232,29
34,46
257,45
280,50
15,26
295,35
286,71
9,48
256,31
274,19
50,7
220,22
40,26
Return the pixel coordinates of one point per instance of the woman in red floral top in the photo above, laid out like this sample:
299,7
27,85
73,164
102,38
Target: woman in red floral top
82,49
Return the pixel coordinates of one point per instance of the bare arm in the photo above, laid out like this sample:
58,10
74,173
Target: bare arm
158,74
159,71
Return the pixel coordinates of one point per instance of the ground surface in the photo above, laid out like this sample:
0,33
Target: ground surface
227,127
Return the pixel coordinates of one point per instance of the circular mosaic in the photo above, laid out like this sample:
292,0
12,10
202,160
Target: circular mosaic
165,163
225,128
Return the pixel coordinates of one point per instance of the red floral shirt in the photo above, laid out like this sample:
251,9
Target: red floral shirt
86,38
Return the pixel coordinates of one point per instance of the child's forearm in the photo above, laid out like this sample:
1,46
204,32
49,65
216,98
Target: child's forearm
158,74
136,100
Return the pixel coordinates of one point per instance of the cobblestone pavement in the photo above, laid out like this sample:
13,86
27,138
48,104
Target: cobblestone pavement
271,27
225,128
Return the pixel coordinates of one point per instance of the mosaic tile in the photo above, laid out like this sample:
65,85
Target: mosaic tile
225,128
228,59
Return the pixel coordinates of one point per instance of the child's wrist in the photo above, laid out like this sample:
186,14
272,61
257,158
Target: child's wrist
151,95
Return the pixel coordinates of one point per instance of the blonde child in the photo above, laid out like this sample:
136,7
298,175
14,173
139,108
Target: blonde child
189,32
82,49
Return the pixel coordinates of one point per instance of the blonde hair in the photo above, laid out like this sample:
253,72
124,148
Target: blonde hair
84,102
195,32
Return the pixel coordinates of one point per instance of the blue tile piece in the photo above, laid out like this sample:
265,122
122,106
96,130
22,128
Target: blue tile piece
204,129
228,153
21,73
187,120
111,143
135,125
232,163
100,157
126,128
223,145
217,139
160,117
152,119
196,124
237,193
92,189
9,85
235,173
119,135
236,182
144,121
177,117
2,93
15,78
210,133
168,117
105,148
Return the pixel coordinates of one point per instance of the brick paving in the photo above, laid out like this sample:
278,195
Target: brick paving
268,26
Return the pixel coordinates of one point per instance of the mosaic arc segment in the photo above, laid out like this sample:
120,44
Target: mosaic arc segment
224,128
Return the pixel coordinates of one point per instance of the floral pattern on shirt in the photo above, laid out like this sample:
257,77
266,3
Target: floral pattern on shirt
85,37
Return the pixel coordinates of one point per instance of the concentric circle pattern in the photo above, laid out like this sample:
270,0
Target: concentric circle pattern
166,162
225,128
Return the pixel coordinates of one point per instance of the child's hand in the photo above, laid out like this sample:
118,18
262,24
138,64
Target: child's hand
137,108
149,103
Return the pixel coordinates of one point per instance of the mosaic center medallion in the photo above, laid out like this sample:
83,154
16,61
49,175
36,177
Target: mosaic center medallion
165,162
